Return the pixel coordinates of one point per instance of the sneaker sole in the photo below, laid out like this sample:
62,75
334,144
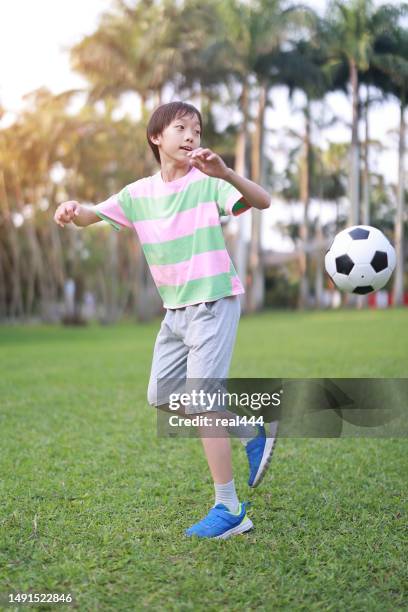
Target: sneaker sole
267,454
243,527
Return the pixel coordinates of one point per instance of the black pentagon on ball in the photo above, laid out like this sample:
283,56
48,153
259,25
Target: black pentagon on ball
359,233
379,261
363,290
344,264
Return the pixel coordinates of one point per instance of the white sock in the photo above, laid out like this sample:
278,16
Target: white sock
226,494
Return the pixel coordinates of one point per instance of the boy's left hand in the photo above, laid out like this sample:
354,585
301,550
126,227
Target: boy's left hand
208,162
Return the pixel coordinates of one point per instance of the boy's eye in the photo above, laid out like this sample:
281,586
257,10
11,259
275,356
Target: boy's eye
182,126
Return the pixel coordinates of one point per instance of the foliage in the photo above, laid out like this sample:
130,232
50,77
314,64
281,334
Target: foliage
210,50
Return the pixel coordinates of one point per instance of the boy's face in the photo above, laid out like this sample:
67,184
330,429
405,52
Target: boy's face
182,132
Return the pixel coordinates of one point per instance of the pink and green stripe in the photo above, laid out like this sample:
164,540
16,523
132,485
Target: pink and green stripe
178,224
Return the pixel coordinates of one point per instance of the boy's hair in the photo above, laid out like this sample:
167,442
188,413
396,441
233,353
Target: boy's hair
163,115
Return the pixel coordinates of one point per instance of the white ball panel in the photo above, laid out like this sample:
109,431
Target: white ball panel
330,264
391,257
361,251
362,274
343,282
377,238
341,243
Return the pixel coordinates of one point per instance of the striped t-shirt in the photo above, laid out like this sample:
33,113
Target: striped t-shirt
178,225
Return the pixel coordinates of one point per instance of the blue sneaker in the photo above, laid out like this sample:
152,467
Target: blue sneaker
259,452
220,523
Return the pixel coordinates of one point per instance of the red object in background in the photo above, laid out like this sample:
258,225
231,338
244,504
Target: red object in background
391,300
372,300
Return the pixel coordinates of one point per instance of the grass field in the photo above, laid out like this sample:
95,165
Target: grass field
94,504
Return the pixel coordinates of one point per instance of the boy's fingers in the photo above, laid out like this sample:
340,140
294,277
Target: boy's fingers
196,152
205,153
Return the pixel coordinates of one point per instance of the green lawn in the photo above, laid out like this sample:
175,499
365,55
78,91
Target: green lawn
93,503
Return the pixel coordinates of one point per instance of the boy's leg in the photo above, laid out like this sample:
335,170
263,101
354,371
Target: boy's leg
218,453
212,335
211,338
170,361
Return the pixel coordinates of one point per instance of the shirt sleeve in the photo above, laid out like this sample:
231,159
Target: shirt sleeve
230,201
111,211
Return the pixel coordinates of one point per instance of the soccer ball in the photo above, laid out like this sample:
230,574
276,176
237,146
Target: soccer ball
360,260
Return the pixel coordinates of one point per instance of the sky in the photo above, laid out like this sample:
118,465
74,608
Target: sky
34,38
34,42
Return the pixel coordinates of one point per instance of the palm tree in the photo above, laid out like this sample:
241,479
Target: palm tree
29,157
301,68
390,72
349,32
251,31
11,272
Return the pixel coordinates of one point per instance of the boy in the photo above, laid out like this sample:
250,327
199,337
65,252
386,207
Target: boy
176,215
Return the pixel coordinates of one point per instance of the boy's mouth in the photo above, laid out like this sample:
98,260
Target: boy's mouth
186,148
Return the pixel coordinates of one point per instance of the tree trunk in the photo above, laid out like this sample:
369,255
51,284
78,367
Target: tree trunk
362,300
16,308
35,271
241,251
112,309
256,285
354,151
319,278
146,295
158,96
304,297
3,285
366,171
198,96
399,219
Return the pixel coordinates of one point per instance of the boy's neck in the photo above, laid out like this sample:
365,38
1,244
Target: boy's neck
173,173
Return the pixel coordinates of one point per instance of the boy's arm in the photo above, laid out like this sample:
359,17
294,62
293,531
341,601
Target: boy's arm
85,217
254,194
73,211
212,164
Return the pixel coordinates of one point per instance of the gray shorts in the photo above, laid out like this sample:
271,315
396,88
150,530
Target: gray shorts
193,350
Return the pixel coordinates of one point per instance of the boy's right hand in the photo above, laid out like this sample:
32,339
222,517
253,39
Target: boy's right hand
66,212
